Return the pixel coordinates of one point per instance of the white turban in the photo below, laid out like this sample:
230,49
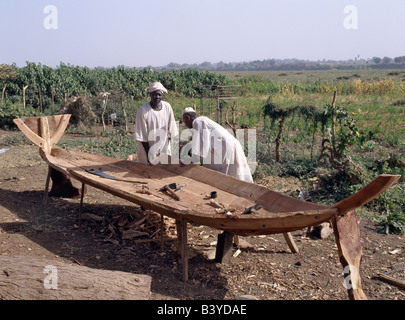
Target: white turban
187,110
156,86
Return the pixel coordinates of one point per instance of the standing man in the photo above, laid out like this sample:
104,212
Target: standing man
218,149
154,127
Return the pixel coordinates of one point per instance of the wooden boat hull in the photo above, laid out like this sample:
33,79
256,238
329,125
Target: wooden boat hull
142,184
279,214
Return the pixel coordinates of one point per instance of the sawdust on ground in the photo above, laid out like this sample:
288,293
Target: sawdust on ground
265,268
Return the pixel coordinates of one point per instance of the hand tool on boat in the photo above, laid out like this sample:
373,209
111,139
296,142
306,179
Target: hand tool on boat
180,187
169,189
102,174
252,209
221,208
145,190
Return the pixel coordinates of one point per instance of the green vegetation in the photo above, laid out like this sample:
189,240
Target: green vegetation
393,222
290,110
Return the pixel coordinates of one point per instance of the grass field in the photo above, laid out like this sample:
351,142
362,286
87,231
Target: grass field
311,76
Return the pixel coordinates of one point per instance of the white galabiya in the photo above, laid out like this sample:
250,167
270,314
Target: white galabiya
155,126
217,147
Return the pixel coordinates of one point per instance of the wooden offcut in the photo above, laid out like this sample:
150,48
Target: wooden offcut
31,278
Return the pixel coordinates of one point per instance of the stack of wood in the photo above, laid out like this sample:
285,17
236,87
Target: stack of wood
137,226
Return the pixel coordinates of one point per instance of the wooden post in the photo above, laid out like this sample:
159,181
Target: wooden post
333,121
181,226
2,92
52,98
347,235
125,114
223,253
23,94
279,137
40,99
81,204
162,233
48,178
291,243
105,95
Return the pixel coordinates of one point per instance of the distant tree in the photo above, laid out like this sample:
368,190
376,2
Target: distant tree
399,59
377,60
386,60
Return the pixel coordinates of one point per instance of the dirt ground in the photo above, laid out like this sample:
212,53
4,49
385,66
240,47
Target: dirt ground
267,270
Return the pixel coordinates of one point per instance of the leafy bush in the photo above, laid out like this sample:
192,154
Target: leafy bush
393,222
299,168
8,112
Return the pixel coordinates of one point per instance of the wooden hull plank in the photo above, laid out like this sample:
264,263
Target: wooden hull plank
347,234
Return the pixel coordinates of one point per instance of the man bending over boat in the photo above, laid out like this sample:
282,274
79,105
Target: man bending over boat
154,127
216,147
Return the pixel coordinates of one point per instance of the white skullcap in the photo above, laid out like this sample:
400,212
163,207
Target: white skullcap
156,86
188,109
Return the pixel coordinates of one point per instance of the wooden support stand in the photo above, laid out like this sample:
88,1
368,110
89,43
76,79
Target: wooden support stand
223,253
181,226
226,239
347,235
291,243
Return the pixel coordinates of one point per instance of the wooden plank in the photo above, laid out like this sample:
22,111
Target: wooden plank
31,127
60,129
397,282
45,135
367,193
347,235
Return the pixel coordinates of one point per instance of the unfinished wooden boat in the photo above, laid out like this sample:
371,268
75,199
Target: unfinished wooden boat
230,211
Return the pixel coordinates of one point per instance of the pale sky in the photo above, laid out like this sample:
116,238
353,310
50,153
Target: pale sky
138,33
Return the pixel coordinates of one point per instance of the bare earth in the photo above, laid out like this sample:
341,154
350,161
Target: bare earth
268,270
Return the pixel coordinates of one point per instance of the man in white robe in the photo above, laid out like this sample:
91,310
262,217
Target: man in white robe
154,127
218,149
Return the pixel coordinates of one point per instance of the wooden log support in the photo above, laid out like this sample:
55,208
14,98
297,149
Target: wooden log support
347,235
62,186
223,253
181,226
32,278
48,178
81,203
291,243
162,232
